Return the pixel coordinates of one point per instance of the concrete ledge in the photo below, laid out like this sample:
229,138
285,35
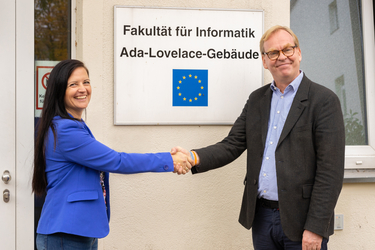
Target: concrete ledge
359,175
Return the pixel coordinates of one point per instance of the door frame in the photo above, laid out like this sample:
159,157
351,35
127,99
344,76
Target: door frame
24,114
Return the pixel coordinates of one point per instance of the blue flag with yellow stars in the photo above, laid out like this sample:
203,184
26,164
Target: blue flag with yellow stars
190,87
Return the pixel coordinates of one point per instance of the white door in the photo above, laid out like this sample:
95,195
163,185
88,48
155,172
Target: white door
7,124
16,124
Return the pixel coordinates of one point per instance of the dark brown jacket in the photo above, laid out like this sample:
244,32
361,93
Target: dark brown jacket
309,157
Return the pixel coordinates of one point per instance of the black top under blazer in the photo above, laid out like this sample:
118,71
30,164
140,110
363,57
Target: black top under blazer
309,157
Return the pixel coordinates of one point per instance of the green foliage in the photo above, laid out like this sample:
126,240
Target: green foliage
52,30
354,130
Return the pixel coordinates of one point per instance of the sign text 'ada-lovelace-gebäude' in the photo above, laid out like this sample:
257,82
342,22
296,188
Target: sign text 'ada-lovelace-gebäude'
182,31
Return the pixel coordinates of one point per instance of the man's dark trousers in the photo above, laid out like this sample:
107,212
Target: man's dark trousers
268,233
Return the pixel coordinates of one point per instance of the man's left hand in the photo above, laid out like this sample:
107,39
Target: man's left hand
311,241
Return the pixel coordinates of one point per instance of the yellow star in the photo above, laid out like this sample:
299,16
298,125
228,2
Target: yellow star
179,94
190,75
199,81
200,94
184,99
183,77
178,87
201,87
190,100
196,77
196,98
179,81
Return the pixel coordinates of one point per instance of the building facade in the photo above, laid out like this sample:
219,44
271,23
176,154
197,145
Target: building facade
166,211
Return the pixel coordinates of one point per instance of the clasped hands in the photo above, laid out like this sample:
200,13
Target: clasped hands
182,160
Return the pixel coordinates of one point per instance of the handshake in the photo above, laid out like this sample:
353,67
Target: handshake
183,160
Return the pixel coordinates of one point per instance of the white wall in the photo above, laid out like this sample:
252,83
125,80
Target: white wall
166,211
356,203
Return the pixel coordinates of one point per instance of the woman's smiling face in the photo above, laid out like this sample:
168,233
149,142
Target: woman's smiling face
78,92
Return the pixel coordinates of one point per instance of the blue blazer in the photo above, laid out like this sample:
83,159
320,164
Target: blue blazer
74,203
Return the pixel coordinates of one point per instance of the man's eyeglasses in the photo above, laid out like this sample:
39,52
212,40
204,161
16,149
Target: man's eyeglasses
274,54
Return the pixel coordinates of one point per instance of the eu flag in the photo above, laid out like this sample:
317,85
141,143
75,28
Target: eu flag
190,87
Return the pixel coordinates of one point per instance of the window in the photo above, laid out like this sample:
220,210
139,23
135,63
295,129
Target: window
52,30
340,91
52,44
333,19
338,52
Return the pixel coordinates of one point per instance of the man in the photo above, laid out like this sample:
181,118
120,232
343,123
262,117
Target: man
293,131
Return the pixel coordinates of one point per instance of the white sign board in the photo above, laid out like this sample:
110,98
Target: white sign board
184,66
42,71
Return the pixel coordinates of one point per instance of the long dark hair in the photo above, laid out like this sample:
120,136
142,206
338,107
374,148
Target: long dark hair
53,106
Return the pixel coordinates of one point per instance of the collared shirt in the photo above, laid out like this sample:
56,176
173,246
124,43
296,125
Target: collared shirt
280,106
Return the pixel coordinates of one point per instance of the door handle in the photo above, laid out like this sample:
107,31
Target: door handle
6,195
6,177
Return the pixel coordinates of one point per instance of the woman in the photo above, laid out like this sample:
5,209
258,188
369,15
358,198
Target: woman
71,167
